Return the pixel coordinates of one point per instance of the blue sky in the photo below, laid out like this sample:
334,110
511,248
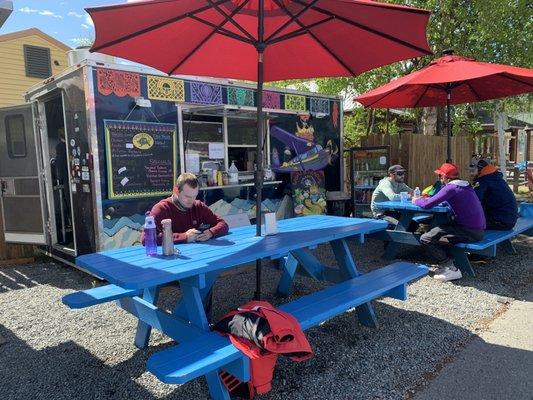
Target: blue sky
65,20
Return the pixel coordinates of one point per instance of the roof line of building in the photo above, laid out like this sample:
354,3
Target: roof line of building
33,31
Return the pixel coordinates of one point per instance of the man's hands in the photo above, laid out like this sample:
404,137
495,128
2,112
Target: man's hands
205,235
194,235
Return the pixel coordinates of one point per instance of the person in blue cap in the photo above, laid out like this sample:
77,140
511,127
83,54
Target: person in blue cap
496,197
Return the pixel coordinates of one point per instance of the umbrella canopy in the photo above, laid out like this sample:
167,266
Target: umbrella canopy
300,39
451,80
261,40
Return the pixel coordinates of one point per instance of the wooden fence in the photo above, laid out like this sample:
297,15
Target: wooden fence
420,155
13,253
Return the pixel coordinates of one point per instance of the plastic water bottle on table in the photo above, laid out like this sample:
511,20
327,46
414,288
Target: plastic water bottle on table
150,235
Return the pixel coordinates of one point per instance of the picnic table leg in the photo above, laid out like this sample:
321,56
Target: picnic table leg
217,390
193,302
142,336
210,279
365,312
289,270
193,305
403,224
462,262
508,246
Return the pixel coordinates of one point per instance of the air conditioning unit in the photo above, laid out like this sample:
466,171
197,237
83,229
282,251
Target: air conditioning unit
82,53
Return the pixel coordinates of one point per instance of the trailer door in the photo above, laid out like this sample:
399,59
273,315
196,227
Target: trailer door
21,186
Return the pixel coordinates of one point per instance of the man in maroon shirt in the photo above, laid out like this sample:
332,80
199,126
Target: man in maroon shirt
192,220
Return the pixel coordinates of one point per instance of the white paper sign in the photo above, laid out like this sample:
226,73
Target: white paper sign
216,151
192,162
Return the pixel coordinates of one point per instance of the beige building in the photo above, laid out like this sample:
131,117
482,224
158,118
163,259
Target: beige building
28,57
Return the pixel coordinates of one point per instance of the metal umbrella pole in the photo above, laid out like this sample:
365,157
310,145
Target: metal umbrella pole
260,46
448,124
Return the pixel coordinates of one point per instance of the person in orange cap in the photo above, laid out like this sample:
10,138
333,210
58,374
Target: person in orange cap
466,225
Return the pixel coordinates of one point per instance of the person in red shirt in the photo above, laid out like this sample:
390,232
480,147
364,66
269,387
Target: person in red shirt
192,220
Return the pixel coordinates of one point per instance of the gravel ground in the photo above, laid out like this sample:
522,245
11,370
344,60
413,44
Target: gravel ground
52,352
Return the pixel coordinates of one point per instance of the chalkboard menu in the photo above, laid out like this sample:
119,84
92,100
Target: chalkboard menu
141,158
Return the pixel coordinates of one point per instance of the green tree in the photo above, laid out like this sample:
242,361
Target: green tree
498,31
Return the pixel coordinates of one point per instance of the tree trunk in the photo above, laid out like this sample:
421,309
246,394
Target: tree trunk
370,125
429,121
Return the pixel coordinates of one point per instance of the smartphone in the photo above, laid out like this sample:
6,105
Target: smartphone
203,227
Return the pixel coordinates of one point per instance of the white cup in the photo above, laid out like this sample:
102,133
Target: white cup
271,224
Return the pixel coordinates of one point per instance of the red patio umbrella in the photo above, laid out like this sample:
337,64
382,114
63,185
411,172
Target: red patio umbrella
450,80
261,40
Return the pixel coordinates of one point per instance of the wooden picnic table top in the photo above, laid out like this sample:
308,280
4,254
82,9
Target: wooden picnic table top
131,268
399,206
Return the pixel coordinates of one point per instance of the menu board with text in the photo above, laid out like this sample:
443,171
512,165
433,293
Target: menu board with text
141,158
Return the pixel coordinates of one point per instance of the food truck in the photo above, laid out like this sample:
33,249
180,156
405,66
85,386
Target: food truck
96,146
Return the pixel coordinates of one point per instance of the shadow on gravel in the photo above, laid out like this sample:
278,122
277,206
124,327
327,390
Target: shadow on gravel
347,355
506,275
69,371
54,274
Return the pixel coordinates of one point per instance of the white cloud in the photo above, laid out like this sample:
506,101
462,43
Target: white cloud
88,20
28,10
74,14
48,13
86,26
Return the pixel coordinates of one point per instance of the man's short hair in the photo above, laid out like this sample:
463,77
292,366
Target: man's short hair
187,179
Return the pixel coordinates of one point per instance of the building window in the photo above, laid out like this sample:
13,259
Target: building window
37,61
16,136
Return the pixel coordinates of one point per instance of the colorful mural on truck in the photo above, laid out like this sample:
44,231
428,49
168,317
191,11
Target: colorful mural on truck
308,192
307,142
126,231
309,139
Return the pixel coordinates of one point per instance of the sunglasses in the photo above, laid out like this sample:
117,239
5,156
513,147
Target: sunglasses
400,173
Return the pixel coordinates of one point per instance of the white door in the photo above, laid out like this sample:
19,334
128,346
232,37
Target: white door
21,182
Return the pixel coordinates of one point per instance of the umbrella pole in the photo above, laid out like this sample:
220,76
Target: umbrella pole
448,126
259,158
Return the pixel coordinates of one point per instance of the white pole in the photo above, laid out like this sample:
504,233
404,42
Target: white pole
499,124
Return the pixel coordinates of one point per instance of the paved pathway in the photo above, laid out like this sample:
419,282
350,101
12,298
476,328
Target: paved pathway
496,365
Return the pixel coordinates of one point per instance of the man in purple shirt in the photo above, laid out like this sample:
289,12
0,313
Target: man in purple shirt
467,224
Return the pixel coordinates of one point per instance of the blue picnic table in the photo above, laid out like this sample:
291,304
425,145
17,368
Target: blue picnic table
409,212
135,280
440,215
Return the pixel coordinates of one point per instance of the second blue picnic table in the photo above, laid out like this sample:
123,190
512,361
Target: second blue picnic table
409,212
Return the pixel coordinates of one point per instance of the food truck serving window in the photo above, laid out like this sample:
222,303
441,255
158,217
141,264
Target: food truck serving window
204,145
15,136
242,132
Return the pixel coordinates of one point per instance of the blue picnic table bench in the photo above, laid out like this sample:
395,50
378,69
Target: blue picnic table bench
438,215
135,280
487,246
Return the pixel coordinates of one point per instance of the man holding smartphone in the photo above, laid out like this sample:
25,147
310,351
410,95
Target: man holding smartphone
192,220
